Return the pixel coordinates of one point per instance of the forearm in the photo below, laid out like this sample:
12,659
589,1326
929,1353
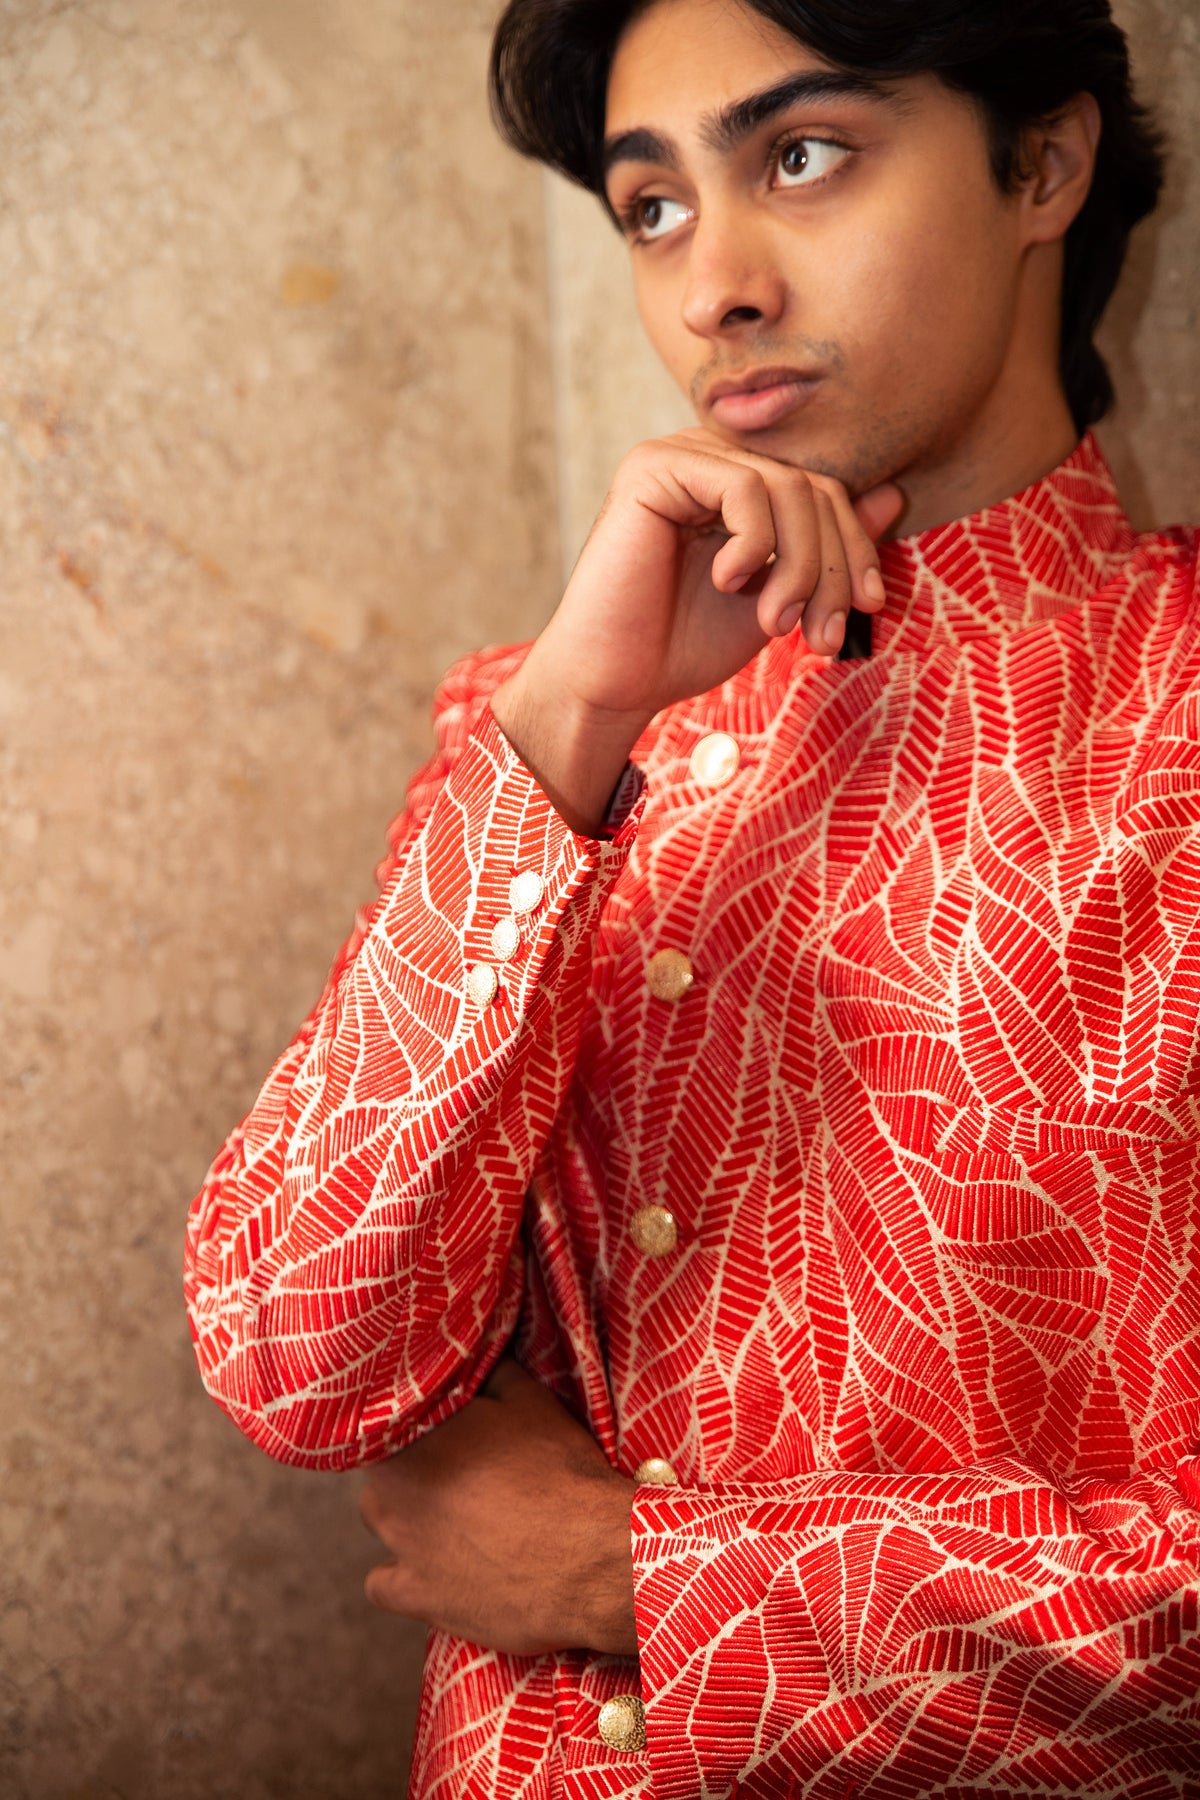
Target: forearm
577,753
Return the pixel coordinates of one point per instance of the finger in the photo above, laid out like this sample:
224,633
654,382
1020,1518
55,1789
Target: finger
799,566
862,557
717,488
824,614
507,1380
386,1588
863,521
879,509
799,560
387,1494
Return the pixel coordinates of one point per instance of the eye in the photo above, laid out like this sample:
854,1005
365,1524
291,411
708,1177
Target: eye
806,160
655,217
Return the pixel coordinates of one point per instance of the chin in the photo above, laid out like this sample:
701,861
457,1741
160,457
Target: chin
878,450
856,469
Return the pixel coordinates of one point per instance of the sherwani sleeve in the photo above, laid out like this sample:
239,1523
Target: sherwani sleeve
947,1634
351,1269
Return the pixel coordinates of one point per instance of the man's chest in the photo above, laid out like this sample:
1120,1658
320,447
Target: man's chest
957,882
898,1025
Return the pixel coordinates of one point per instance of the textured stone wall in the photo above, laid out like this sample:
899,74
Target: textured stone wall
275,446
276,442
1152,334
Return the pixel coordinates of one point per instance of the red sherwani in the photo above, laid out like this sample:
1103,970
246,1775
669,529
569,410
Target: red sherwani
870,1209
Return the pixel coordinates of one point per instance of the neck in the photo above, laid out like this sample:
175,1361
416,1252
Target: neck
1022,427
1021,436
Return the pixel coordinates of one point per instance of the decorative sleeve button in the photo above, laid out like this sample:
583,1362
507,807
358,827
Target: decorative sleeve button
506,939
669,974
656,1471
525,891
622,1723
483,984
715,760
654,1231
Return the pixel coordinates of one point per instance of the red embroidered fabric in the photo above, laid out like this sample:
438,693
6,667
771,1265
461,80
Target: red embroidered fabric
925,1352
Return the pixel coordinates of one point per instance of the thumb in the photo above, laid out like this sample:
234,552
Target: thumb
879,508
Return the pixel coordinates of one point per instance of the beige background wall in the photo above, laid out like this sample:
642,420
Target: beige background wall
304,388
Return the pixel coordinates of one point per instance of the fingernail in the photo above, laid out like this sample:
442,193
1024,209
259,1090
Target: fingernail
873,588
736,585
835,631
789,618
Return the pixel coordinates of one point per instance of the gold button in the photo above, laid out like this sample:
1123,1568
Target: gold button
482,984
525,891
715,760
654,1231
657,1472
623,1723
669,974
506,940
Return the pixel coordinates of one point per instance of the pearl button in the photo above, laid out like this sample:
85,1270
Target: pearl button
482,984
715,760
669,974
623,1723
654,1231
525,891
657,1472
506,940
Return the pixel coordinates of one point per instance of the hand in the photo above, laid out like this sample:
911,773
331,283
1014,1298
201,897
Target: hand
507,1526
702,552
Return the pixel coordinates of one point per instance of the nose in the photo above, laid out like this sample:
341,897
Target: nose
733,279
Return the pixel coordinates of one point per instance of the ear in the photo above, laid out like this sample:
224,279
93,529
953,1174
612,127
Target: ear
1059,162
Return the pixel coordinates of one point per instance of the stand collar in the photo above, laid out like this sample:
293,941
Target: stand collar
1014,564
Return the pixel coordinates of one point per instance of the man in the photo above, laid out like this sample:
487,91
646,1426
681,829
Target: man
745,1162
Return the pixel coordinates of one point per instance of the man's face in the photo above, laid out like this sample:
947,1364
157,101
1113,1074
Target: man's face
847,251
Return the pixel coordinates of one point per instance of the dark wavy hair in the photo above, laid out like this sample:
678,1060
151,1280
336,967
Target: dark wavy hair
1020,60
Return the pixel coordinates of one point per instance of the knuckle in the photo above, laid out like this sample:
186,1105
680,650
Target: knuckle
747,480
393,1586
759,543
381,1589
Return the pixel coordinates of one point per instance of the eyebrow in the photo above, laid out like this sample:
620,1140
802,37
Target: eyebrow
725,129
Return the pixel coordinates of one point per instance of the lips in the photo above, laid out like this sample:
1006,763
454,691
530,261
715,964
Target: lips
760,398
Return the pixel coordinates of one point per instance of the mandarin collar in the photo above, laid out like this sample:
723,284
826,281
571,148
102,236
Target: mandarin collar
1017,563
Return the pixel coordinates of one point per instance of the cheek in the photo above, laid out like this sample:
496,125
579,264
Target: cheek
928,300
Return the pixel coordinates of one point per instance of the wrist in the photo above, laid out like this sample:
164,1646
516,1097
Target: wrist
608,1622
576,751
